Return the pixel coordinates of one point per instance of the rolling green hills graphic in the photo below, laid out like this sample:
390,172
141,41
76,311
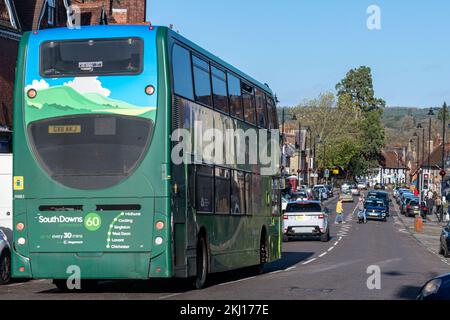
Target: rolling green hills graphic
64,100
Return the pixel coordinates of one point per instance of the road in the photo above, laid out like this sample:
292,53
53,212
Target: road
309,269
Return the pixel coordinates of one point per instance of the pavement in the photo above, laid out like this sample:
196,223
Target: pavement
373,261
429,236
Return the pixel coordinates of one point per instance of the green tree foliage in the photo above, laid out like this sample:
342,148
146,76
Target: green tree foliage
349,125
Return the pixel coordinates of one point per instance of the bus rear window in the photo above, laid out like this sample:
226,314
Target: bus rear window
95,57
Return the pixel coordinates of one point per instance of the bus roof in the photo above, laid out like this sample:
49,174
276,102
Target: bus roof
122,31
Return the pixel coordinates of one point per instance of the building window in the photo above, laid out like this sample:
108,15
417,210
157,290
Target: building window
234,93
219,83
182,72
202,82
8,16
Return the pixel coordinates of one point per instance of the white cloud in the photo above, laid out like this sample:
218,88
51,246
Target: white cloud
37,85
88,85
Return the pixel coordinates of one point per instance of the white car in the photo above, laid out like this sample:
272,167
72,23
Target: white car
5,259
284,203
305,218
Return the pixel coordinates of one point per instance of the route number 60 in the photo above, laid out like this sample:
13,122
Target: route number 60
92,222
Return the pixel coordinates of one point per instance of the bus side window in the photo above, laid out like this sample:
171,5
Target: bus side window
202,82
182,72
222,190
219,83
261,112
269,114
234,95
249,103
204,189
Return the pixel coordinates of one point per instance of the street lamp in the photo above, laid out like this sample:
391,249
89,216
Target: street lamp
417,159
430,114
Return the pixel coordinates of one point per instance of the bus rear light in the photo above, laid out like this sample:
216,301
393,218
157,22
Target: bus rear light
20,226
158,241
159,225
149,90
21,241
158,270
21,269
32,93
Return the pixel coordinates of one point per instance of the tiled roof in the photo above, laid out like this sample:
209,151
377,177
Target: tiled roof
392,160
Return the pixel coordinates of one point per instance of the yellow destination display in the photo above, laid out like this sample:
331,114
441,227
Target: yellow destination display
64,129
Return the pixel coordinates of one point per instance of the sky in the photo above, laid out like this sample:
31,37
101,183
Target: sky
302,48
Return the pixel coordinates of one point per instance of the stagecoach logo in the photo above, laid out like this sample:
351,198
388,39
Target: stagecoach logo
60,219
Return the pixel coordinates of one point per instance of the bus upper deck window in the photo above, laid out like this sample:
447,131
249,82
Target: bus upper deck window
93,57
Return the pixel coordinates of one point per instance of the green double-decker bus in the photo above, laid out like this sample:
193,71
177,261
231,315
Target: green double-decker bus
98,182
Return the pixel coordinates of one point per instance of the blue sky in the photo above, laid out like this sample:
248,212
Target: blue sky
304,47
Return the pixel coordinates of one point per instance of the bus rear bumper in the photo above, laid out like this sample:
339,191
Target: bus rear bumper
107,266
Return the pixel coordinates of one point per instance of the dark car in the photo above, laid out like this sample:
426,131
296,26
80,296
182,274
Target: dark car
402,194
381,195
413,208
375,209
330,190
5,259
445,241
436,289
406,202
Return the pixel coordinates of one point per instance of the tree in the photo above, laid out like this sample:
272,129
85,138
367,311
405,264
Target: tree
358,85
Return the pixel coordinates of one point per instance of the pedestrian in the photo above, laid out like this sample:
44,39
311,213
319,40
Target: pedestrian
430,205
361,211
339,212
439,211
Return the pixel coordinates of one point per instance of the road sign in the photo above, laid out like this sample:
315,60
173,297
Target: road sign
327,173
442,173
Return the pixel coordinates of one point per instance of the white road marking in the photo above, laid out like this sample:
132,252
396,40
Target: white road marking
340,238
309,261
291,268
169,296
323,254
330,249
273,272
336,243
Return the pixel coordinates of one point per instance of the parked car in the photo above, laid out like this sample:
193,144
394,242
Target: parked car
320,192
305,218
437,288
284,203
299,196
346,196
445,241
5,259
330,190
405,203
375,209
412,208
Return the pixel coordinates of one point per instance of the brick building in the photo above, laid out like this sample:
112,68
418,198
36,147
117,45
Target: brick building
17,16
